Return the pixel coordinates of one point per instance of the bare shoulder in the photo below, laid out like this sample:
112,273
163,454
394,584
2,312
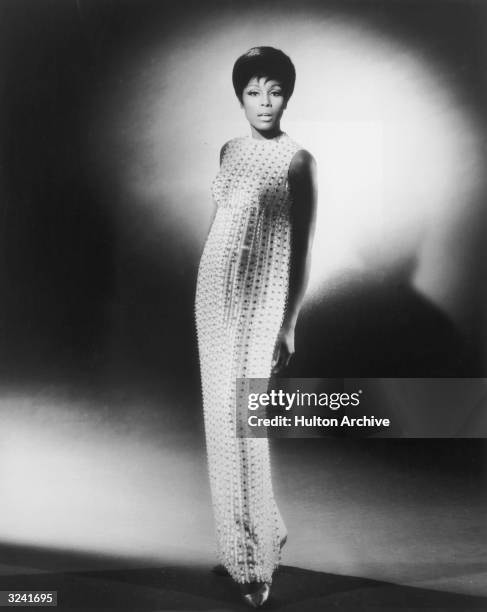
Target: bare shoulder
302,165
303,183
302,170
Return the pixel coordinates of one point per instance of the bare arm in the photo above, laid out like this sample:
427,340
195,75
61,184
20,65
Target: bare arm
303,185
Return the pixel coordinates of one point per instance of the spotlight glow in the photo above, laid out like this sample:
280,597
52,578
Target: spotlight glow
96,479
397,154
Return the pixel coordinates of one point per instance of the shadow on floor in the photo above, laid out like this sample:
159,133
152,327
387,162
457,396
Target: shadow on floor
103,583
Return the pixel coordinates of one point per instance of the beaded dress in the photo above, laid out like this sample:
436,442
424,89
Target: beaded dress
241,295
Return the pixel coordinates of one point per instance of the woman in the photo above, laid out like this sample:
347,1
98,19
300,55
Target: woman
251,283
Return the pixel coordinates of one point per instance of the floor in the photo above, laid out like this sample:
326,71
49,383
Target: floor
105,499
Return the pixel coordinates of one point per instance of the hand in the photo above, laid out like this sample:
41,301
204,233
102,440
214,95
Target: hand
284,349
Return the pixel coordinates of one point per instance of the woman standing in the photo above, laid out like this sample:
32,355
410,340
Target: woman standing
251,283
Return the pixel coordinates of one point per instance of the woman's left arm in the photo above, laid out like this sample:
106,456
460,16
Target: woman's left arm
303,186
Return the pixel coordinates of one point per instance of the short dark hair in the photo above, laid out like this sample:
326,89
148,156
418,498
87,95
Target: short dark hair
264,61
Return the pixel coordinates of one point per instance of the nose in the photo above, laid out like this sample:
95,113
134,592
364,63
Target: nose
265,100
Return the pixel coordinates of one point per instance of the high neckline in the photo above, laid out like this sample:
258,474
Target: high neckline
281,136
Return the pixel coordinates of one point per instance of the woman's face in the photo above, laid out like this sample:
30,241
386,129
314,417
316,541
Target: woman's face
263,102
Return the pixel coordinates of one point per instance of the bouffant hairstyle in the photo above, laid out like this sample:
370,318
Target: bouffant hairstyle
264,61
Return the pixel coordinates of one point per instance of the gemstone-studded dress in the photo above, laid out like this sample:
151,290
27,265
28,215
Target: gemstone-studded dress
241,296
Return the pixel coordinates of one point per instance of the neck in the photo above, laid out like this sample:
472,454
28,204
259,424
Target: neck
265,134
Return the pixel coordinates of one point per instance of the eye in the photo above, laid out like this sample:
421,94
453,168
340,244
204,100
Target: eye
277,93
252,93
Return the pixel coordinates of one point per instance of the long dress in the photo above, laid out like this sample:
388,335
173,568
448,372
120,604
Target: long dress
241,294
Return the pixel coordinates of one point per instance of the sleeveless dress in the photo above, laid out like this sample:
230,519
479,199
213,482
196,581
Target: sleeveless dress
241,294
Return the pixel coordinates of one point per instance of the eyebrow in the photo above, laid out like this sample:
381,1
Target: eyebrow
258,86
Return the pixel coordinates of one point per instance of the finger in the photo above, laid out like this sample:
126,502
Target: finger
285,358
282,364
278,363
275,367
275,358
282,359
275,354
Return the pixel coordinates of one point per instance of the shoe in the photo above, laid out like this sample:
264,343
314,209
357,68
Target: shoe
256,598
